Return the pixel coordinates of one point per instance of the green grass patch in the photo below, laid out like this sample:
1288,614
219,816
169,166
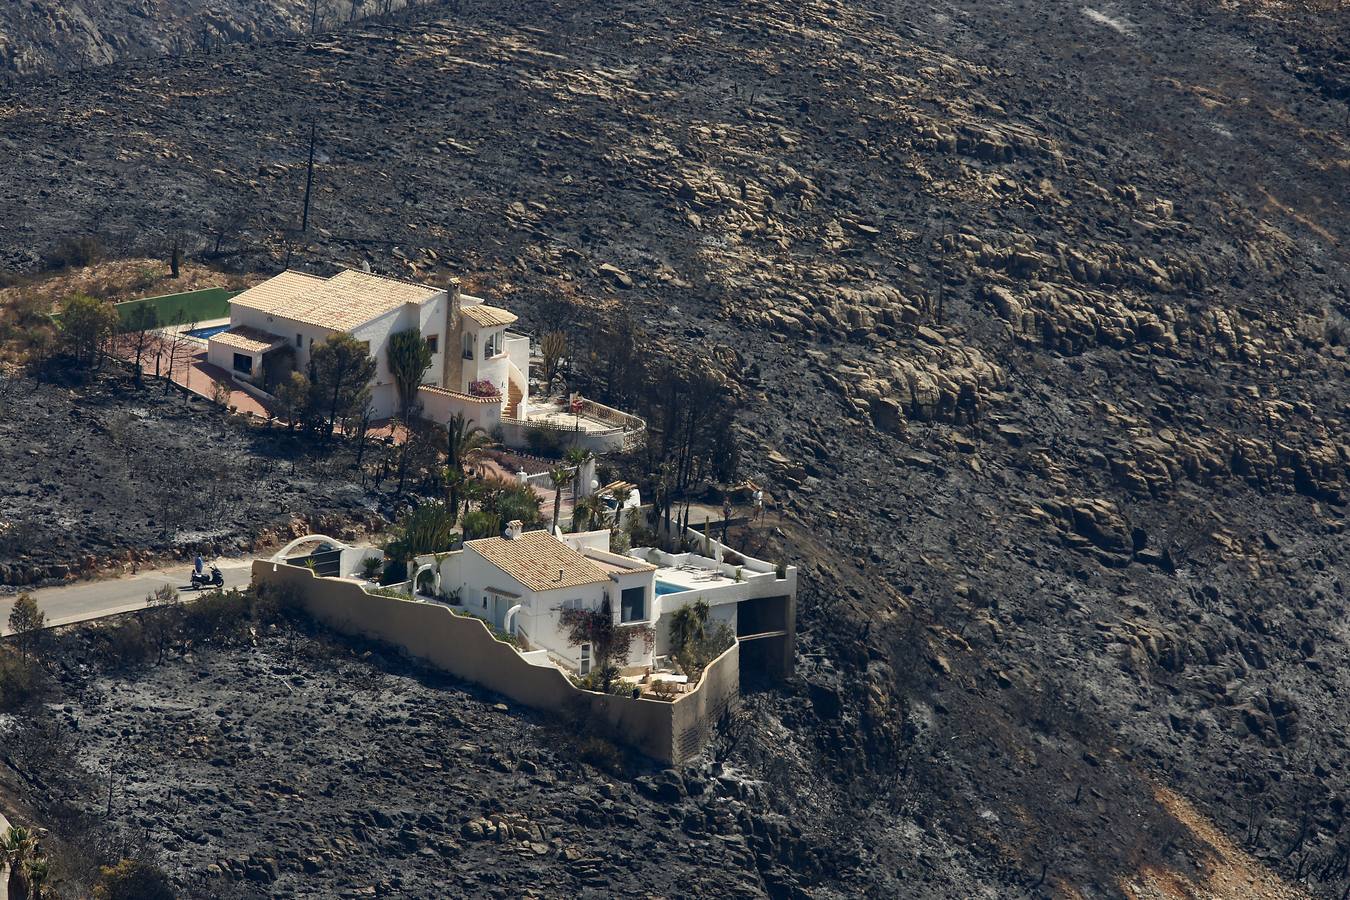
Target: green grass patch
187,308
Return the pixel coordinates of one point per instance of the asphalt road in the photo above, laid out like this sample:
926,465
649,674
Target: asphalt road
85,600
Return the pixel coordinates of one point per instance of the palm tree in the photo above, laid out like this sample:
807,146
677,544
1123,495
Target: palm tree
559,476
465,445
688,627
588,511
576,456
17,847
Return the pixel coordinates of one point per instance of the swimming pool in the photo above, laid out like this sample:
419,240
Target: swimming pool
665,587
205,333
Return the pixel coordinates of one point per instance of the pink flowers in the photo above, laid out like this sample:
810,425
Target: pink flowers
484,388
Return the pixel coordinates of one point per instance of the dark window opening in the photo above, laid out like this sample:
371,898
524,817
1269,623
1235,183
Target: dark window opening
431,342
633,604
243,363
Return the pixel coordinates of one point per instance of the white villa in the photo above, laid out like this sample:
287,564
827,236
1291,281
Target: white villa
521,582
479,367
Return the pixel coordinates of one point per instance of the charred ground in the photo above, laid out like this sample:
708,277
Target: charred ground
1039,318
98,475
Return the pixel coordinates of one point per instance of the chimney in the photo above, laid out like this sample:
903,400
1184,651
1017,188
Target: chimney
514,528
452,359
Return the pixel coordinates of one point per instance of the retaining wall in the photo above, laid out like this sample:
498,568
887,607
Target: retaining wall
671,732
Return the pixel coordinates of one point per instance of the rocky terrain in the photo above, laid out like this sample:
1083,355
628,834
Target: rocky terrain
99,478
1039,321
41,36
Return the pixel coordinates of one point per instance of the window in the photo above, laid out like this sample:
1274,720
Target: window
492,345
584,667
633,604
299,340
243,363
468,345
431,342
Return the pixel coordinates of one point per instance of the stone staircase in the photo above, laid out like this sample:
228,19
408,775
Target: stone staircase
513,398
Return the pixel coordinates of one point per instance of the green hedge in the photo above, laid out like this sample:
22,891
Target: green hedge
186,308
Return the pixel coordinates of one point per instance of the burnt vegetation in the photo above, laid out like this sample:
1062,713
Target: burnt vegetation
1034,337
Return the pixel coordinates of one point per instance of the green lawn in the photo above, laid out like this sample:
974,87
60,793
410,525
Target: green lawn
188,308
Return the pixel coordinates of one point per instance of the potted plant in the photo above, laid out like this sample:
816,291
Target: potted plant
370,567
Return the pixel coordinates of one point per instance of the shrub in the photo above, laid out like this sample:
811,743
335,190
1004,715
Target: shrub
603,754
480,524
370,566
18,681
127,645
219,616
396,593
73,252
273,603
665,689
542,442
221,391
132,879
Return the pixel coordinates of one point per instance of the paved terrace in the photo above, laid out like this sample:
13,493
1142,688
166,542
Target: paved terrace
192,371
692,577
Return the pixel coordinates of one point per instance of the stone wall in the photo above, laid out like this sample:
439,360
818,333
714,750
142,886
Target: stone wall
465,648
697,712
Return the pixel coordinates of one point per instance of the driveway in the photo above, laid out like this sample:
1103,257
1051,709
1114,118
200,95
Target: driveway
85,600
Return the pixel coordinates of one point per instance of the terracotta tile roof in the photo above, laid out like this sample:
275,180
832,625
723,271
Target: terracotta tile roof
246,338
346,301
534,559
627,567
287,287
488,316
458,395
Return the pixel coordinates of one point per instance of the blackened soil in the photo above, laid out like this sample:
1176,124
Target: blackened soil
100,474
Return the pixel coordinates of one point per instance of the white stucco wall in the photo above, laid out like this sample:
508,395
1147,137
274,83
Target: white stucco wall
539,611
438,407
223,356
492,369
284,328
427,317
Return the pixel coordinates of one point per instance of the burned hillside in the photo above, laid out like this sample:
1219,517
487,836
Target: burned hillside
1039,333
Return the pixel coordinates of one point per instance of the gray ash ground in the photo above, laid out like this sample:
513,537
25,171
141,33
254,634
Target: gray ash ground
1040,320
300,767
94,474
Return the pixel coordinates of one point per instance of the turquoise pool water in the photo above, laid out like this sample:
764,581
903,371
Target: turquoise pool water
205,333
665,587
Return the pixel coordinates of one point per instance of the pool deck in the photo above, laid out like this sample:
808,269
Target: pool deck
692,578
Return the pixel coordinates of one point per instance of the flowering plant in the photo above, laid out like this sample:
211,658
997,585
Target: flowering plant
484,388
